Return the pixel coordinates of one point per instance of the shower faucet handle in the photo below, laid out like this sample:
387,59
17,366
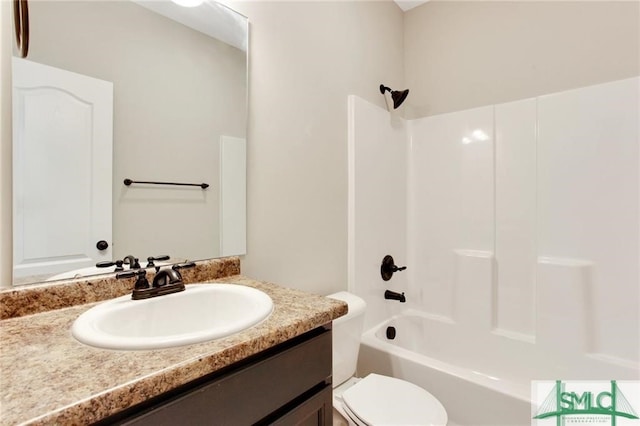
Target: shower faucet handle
388,267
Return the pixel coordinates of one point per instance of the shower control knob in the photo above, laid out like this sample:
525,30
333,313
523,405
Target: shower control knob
388,267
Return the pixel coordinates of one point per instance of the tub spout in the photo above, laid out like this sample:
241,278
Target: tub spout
392,295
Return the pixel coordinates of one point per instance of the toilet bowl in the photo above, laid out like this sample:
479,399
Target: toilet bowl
374,400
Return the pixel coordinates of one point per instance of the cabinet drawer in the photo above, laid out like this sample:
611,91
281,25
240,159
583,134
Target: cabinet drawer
250,393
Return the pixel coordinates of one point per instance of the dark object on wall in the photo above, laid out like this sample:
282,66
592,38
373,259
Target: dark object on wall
102,245
21,25
398,96
201,185
388,267
391,333
392,295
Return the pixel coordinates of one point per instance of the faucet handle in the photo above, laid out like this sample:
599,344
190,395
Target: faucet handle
151,259
178,266
388,267
141,283
128,274
185,265
109,263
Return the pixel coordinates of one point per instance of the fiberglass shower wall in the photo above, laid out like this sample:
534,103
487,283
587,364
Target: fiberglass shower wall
522,219
377,205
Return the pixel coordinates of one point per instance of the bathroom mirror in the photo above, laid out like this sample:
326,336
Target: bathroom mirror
176,78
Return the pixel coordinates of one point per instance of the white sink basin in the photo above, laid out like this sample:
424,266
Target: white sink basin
200,313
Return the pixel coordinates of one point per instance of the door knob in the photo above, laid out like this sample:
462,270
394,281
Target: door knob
102,245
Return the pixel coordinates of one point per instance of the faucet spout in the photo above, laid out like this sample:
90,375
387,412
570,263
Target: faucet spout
392,295
131,261
167,277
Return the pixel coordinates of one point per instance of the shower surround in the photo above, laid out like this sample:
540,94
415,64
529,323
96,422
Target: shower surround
519,224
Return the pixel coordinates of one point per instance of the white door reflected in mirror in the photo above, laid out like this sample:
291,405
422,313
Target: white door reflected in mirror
62,155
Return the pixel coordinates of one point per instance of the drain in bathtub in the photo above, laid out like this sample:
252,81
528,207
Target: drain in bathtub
391,333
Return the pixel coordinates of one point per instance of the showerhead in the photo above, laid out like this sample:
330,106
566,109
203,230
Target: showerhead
397,96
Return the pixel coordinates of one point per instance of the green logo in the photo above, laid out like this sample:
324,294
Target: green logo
585,404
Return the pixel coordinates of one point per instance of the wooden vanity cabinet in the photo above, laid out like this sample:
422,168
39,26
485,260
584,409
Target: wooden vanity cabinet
289,384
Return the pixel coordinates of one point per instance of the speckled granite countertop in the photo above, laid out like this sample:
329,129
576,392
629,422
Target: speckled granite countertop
47,377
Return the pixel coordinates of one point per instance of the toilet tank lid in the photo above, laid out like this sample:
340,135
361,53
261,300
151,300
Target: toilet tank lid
356,304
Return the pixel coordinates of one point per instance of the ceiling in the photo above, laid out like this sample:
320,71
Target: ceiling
211,18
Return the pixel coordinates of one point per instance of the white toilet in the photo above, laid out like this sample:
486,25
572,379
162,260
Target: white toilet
375,400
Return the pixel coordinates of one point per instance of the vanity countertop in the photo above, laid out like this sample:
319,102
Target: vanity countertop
47,377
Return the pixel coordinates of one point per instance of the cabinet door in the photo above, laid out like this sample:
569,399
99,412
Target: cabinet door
315,411
258,393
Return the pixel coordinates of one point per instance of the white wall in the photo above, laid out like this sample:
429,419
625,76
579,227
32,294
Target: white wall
588,227
554,195
466,54
377,206
306,58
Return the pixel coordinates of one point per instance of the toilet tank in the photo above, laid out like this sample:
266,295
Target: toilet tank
347,331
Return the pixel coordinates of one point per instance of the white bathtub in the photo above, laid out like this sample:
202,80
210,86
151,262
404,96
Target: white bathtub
481,378
470,395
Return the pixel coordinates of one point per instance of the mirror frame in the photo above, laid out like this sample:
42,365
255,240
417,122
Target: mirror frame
21,25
